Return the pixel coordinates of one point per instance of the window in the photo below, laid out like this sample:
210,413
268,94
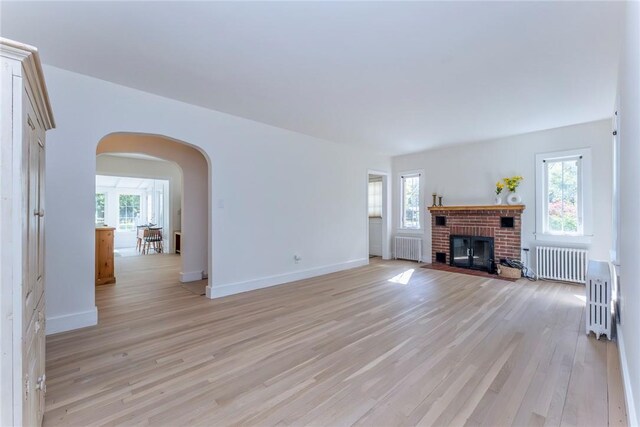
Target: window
410,203
375,198
563,187
564,211
101,200
129,211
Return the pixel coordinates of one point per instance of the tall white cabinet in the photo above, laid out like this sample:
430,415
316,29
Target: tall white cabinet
25,116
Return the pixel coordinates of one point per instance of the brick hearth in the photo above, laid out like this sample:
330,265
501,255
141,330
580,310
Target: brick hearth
477,221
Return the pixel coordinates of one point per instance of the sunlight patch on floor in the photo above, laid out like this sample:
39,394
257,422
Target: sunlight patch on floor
403,278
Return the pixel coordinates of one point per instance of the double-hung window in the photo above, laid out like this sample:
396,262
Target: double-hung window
563,187
375,198
410,201
129,211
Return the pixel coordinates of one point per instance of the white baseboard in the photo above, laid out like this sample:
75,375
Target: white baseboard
626,380
190,276
68,322
218,291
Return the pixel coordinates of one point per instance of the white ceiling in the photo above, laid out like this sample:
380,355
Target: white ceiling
396,77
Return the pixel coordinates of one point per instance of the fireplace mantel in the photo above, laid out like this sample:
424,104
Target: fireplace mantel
517,208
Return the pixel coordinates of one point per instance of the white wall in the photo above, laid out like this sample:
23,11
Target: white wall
629,236
142,168
275,193
466,175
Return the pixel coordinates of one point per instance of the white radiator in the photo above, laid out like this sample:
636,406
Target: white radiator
565,264
599,287
408,248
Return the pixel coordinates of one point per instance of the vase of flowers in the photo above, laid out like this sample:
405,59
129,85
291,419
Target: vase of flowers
512,184
499,188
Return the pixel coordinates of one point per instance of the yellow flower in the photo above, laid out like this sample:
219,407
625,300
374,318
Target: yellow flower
513,182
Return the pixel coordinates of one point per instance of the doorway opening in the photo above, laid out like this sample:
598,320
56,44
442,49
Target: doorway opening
377,215
154,193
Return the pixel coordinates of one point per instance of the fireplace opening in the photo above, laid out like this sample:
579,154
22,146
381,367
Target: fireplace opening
473,252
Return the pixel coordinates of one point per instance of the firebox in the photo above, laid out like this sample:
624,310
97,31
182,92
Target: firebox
474,252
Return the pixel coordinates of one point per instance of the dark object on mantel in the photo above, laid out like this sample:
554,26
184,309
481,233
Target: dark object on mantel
440,201
434,199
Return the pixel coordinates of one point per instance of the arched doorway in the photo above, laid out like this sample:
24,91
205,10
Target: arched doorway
195,235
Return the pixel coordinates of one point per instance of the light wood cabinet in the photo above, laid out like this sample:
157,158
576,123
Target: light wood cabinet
105,268
25,116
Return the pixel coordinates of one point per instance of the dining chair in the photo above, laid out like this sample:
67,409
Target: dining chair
152,237
140,236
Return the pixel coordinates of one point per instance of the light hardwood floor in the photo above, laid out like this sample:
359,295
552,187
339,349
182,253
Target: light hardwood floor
350,348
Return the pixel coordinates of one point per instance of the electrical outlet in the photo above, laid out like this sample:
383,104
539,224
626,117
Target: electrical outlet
297,259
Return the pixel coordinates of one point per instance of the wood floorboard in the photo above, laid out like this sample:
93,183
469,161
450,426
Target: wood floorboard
386,344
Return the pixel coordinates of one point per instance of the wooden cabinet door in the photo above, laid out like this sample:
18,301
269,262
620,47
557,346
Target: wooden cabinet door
34,284
30,377
34,365
41,380
32,188
38,264
33,356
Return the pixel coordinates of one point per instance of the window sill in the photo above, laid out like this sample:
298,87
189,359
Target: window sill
563,238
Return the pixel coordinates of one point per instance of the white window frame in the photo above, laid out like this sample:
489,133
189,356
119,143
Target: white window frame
585,196
401,176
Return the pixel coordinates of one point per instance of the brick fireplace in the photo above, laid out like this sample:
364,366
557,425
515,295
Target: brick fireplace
502,223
